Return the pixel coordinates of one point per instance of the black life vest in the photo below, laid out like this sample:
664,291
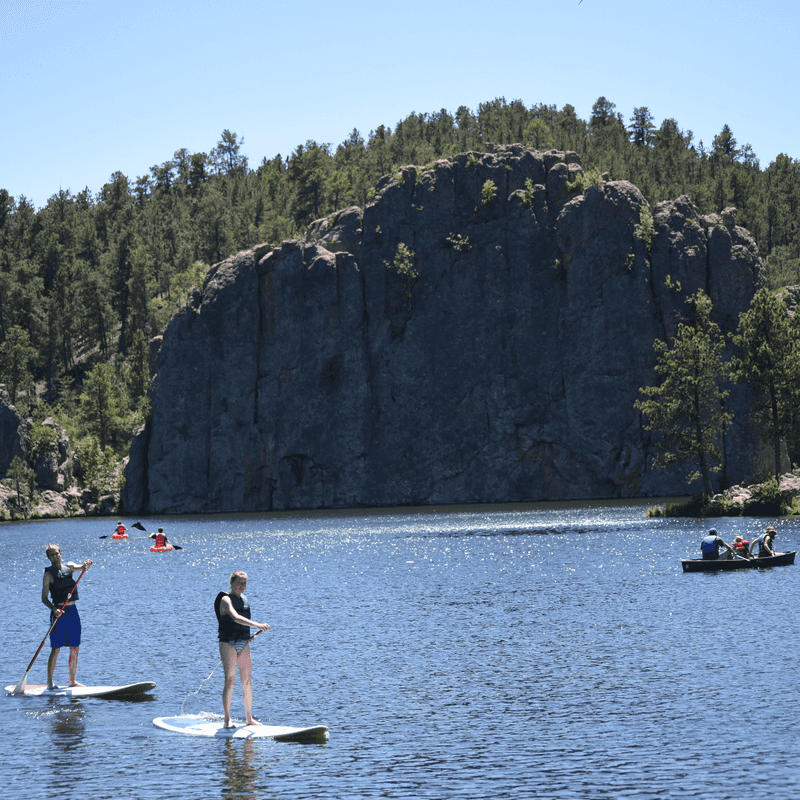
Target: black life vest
61,584
228,630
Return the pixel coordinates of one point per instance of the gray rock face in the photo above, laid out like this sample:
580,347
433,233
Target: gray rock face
55,468
12,433
494,357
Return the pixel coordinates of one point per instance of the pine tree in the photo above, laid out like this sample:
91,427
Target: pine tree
17,361
687,406
768,360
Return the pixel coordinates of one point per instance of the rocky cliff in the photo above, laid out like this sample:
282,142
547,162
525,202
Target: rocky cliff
478,333
53,492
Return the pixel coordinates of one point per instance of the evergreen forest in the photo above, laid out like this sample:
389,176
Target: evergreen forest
87,280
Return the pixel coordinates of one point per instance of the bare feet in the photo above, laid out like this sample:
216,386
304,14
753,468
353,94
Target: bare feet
253,722
76,684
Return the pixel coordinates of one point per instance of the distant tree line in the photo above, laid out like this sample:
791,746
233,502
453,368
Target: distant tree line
87,280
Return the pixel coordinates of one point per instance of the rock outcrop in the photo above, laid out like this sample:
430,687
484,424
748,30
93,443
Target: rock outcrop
478,333
55,491
12,433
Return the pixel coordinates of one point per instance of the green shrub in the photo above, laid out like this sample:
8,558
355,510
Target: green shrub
583,180
457,242
488,193
403,262
767,500
697,505
645,231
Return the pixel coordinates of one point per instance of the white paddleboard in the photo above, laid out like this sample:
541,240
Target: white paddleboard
202,726
130,690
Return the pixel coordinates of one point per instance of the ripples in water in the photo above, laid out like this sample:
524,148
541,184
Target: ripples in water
467,653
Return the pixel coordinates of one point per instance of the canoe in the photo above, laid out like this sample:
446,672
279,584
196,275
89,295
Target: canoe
722,565
119,535
165,549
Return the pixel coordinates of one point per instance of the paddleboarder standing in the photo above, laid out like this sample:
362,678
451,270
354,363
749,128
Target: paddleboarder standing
56,586
233,615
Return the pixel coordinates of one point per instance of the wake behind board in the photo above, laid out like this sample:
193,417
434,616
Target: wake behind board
202,726
109,692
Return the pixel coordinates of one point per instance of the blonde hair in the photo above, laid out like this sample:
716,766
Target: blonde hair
238,574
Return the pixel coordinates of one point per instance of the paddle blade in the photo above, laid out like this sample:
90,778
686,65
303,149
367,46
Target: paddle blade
190,707
20,687
139,526
175,547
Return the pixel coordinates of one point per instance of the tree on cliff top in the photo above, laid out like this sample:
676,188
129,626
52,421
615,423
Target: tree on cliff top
687,406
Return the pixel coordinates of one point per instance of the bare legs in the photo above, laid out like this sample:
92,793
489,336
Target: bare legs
230,661
73,666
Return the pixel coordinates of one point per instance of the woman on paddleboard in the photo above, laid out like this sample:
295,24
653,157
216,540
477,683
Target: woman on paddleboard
56,587
233,616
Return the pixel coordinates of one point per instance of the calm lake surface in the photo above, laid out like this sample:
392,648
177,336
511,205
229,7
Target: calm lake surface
504,652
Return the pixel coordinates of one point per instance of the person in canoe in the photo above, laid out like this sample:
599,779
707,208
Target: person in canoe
741,547
160,537
711,544
121,529
56,586
765,543
234,623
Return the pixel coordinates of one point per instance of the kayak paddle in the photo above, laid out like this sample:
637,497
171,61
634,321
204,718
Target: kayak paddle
141,527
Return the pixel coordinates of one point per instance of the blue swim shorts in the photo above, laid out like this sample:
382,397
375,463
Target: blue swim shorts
67,631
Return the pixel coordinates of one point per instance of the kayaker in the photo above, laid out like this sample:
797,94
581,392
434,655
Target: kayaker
233,616
160,537
121,529
765,543
56,586
710,545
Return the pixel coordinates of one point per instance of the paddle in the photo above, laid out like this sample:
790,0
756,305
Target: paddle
20,687
139,526
189,696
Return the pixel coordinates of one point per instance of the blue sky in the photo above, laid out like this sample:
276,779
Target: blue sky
90,88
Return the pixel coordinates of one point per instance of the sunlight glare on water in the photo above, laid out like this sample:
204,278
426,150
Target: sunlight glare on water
556,651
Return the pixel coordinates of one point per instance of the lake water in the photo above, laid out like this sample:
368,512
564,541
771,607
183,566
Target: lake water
504,652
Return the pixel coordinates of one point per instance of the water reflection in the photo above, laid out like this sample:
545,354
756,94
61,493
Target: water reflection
239,771
67,720
68,723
